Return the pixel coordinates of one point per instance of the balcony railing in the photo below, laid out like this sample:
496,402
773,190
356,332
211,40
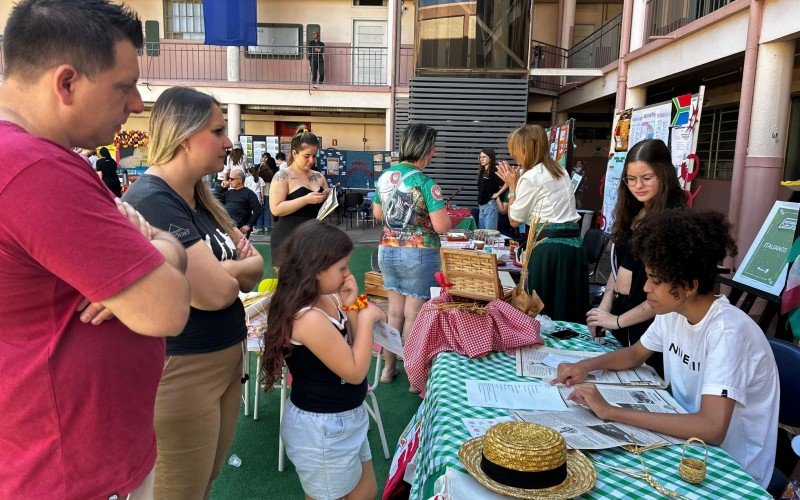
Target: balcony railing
193,62
665,16
544,55
598,49
344,65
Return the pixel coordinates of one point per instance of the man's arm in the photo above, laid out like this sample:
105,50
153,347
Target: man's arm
710,423
255,208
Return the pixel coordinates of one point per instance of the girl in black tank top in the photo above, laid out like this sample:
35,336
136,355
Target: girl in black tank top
326,341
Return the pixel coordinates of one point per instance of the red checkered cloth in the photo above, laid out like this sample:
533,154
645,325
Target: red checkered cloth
501,328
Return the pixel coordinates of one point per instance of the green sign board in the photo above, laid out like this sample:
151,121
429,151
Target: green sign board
764,266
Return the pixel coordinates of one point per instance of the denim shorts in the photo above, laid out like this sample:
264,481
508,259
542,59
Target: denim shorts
409,271
327,449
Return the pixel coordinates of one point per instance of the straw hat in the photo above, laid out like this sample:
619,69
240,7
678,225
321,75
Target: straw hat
525,460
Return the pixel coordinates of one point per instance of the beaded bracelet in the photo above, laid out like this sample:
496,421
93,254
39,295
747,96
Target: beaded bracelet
360,303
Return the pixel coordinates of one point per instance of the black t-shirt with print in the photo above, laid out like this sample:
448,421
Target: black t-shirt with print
206,331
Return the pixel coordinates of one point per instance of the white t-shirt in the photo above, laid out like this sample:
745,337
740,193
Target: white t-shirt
725,354
255,186
229,165
540,196
283,165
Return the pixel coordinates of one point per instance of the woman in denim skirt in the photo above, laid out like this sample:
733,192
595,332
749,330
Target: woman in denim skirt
412,209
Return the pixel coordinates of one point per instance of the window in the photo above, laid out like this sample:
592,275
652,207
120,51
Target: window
716,142
281,40
473,36
370,3
183,19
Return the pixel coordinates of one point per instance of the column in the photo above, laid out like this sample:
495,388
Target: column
637,24
234,121
635,97
233,64
568,24
391,69
234,117
389,135
766,146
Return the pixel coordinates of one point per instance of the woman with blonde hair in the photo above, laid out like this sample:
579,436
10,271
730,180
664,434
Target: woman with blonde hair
199,394
542,197
297,192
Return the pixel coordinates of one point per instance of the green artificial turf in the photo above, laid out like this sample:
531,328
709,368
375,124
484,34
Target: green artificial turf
256,442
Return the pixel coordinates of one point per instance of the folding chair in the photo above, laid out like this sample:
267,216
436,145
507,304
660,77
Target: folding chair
372,408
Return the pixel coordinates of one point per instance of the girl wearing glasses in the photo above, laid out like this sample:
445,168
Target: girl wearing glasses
649,185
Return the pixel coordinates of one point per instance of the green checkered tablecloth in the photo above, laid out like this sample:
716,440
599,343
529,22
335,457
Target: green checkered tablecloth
443,432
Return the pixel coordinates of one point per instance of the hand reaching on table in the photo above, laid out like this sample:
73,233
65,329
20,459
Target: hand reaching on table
589,395
570,374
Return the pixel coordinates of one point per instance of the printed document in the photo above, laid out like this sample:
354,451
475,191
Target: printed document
515,395
542,362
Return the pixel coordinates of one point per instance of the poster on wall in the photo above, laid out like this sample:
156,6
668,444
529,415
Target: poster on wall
272,145
259,148
651,122
764,266
247,148
610,190
561,142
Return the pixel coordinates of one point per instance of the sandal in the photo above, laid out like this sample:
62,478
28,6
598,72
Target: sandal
389,373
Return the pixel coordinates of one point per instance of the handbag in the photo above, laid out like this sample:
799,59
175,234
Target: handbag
529,303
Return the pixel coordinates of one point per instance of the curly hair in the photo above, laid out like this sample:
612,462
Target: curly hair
313,247
670,195
681,246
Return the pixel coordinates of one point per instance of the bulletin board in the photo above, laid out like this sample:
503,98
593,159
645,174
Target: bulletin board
676,122
353,169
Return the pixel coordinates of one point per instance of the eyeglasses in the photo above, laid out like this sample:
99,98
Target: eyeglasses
647,180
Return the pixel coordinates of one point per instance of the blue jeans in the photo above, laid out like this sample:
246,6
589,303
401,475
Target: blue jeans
409,271
265,219
488,215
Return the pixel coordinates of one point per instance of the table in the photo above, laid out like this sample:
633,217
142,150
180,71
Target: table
442,433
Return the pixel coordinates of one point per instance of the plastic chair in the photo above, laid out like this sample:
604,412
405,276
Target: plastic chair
787,358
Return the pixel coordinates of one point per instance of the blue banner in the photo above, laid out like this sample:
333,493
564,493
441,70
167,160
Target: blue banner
230,22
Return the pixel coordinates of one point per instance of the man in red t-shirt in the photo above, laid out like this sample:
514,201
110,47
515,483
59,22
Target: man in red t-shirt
86,300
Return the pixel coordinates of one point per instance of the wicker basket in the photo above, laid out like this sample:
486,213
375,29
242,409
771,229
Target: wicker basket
693,470
473,275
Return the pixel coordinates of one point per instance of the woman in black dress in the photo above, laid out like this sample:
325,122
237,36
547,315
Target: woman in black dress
296,193
108,170
649,186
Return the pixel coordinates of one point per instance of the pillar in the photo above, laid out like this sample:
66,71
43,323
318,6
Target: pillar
391,70
233,64
766,144
635,97
637,24
568,23
234,121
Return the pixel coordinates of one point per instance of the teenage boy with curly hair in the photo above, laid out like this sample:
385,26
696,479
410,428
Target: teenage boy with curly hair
717,361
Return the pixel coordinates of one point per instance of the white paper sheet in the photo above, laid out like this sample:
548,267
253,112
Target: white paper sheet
515,395
478,426
388,337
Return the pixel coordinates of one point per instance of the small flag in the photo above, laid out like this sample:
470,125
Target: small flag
683,108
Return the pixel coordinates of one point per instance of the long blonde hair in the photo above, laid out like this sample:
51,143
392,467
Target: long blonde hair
529,146
177,114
